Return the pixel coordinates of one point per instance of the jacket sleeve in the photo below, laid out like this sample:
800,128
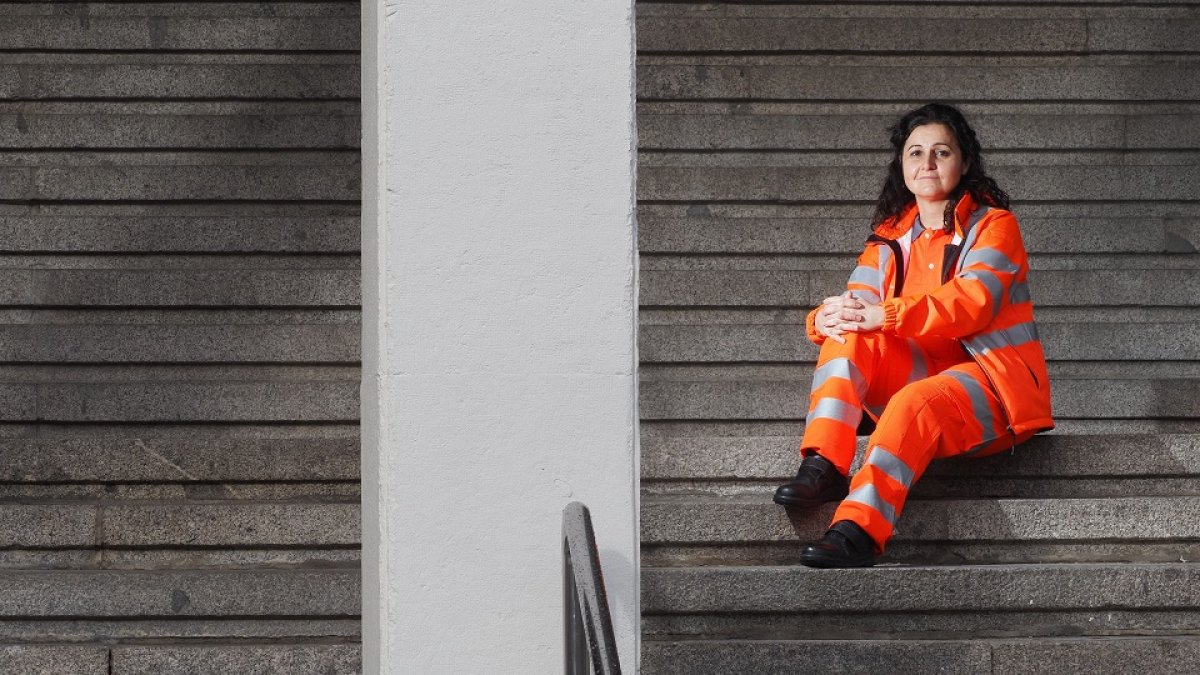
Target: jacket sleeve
865,283
972,298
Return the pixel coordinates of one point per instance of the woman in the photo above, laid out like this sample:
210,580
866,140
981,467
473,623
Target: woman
934,338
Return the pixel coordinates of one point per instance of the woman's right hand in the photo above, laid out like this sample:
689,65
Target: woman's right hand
829,315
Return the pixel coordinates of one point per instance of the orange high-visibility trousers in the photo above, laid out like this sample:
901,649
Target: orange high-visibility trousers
930,400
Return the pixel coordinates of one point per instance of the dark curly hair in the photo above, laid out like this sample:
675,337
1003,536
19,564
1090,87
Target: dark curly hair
895,197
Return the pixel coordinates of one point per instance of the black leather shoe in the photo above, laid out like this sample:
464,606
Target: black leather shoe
844,545
817,481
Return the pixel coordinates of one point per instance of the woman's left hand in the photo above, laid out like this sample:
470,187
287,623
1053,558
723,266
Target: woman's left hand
863,319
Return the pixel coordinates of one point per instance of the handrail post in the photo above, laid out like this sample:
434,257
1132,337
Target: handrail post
587,625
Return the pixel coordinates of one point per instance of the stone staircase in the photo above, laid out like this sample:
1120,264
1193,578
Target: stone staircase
179,338
762,144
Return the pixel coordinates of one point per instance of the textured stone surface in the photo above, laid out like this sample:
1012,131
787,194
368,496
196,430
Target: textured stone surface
179,234
977,589
789,342
757,657
234,77
333,659
151,458
1152,287
231,525
220,31
175,343
1043,457
195,401
961,80
841,183
166,287
1066,656
755,519
54,660
82,629
782,399
47,525
265,593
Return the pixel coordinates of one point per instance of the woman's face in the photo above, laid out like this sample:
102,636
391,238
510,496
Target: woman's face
932,162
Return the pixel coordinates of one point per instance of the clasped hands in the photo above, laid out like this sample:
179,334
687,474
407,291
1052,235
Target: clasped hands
847,314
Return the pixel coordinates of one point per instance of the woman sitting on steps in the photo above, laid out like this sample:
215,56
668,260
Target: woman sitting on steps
934,339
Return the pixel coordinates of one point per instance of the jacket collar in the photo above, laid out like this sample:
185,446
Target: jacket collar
897,227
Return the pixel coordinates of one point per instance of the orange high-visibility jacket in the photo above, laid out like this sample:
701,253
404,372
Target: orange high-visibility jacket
983,302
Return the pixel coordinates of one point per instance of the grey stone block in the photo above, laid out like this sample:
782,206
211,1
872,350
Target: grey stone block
231,524
876,80
1113,655
762,657
841,183
789,342
1131,34
217,32
309,401
173,288
176,343
782,399
230,77
47,525
167,183
204,458
806,288
231,558
246,131
125,234
976,589
318,659
54,659
755,519
781,31
772,458
178,628
196,594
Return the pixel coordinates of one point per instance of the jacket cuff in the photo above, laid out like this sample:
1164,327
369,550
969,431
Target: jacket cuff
891,315
810,327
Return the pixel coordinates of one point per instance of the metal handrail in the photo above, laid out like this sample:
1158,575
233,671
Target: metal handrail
587,623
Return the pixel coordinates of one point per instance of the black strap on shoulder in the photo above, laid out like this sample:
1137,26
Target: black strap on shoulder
898,254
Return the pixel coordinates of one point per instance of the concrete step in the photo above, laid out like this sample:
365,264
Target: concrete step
828,229
179,287
166,125
63,76
331,593
1057,656
784,288
183,26
265,659
134,176
783,28
980,601
151,457
1063,180
772,459
755,394
687,530
890,77
1090,341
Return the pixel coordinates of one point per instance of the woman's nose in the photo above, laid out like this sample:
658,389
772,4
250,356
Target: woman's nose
930,161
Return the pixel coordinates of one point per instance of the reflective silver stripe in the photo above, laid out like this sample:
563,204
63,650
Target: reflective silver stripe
968,242
979,403
868,276
995,287
876,410
834,409
920,369
977,215
1005,337
891,465
869,496
1019,292
993,258
842,368
868,297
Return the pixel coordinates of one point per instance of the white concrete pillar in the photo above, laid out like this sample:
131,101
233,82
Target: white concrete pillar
499,300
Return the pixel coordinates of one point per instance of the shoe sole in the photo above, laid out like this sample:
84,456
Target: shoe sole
807,503
824,562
